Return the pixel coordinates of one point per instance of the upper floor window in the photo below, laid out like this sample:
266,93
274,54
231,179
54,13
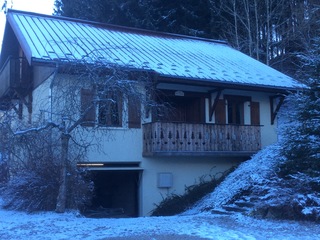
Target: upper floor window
110,110
235,109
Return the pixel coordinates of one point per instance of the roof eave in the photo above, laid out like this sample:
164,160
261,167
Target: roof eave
188,81
21,39
226,85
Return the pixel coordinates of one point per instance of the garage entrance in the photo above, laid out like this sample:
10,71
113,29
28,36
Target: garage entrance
116,192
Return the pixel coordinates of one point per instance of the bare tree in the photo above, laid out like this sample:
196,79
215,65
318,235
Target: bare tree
105,89
272,31
84,95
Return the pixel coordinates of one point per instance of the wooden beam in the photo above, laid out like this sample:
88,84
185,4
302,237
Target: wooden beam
14,108
23,100
275,104
212,106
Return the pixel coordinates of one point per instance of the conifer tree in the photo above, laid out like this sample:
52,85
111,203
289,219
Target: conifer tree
301,135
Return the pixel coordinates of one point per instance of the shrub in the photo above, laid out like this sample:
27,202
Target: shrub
36,189
35,175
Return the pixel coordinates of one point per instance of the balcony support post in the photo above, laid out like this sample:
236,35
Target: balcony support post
275,104
27,101
213,105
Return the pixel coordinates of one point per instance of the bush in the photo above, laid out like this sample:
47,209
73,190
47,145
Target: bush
30,192
36,189
35,176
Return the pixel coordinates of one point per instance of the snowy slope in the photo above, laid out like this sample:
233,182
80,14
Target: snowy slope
253,171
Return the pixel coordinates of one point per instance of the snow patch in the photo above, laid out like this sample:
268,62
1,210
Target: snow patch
253,171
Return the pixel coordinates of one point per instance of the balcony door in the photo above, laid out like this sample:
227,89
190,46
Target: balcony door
183,109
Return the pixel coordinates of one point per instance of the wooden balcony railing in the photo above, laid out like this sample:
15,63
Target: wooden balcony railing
15,74
178,139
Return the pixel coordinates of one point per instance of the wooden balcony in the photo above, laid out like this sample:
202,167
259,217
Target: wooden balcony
184,139
15,75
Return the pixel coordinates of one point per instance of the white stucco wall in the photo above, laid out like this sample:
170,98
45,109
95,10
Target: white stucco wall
123,145
186,171
41,104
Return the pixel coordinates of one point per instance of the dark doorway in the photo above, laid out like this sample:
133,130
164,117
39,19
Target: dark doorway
183,109
116,192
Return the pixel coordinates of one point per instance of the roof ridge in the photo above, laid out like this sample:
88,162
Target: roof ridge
119,27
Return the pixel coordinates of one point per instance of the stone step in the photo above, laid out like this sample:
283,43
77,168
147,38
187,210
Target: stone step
233,208
244,204
220,212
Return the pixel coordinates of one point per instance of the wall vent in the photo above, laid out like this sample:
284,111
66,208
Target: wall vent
165,180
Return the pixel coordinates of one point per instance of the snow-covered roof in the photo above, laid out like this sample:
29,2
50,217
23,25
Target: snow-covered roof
52,38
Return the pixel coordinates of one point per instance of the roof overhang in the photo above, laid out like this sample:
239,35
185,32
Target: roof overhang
65,66
20,36
226,85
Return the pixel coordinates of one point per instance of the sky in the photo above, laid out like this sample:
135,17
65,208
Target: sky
39,6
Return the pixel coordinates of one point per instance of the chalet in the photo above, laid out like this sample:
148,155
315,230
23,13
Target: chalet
224,104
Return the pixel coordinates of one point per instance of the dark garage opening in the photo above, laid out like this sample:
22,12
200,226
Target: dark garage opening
116,193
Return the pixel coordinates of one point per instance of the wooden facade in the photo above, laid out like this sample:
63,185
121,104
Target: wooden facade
15,76
178,139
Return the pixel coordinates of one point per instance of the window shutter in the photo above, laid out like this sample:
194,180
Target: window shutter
255,113
220,112
86,102
134,113
119,99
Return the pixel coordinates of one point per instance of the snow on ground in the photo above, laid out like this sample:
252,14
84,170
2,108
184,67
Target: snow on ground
191,225
18,225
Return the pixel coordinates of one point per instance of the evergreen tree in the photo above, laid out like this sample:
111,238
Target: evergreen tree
301,144
301,135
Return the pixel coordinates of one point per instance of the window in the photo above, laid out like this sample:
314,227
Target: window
107,113
235,108
231,110
110,110
235,112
